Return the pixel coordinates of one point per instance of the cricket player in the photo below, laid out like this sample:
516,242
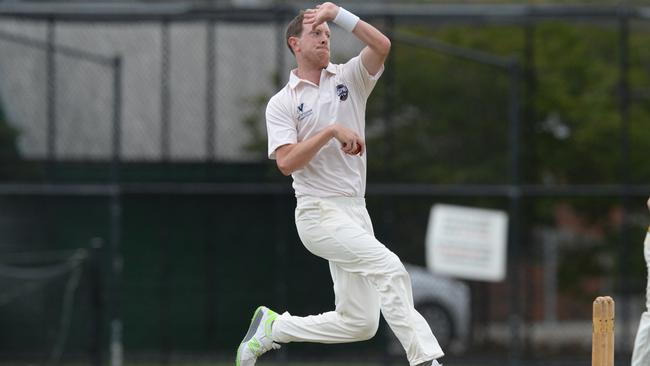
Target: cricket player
641,353
316,134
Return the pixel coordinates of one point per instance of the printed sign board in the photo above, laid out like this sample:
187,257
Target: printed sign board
467,242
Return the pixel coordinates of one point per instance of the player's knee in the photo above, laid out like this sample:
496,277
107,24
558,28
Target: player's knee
368,329
363,325
394,266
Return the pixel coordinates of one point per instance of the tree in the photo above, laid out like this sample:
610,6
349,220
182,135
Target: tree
450,116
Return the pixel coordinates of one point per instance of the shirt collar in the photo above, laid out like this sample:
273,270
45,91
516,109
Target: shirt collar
331,68
295,80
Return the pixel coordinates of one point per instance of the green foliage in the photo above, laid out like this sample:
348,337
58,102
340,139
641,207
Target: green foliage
577,87
450,116
449,120
577,80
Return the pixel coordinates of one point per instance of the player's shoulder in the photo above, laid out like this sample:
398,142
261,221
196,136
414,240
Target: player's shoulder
281,96
281,99
350,71
351,63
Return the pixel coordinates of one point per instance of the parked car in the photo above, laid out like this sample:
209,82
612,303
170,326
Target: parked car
445,303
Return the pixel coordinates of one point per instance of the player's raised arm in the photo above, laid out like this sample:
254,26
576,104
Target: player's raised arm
377,44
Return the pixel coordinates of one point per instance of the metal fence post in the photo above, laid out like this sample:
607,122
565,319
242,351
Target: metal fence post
210,86
116,219
387,207
164,92
624,247
50,97
96,300
389,98
211,257
515,321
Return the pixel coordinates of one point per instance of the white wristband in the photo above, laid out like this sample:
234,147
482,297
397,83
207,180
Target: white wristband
346,20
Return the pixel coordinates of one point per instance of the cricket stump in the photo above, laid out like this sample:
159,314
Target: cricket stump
602,347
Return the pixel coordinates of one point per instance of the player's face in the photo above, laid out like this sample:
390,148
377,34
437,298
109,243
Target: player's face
315,44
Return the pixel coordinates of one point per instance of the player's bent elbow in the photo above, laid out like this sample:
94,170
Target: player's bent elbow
285,172
285,164
385,45
284,168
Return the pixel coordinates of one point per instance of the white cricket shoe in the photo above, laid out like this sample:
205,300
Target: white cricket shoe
258,338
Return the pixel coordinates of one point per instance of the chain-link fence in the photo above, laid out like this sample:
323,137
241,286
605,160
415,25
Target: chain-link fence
147,131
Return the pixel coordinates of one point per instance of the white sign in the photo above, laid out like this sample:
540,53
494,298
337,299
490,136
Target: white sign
467,242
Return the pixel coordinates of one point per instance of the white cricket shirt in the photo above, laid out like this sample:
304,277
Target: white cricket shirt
302,109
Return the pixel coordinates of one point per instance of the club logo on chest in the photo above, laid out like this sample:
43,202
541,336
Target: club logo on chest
342,92
302,113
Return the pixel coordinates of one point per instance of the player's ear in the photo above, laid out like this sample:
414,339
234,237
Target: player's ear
293,42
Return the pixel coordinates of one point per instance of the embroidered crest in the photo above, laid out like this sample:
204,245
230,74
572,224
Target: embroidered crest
302,113
342,92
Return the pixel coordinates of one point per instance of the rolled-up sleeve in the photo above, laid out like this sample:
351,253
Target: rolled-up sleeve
355,71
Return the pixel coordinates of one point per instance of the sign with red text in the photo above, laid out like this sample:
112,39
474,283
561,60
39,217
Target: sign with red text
467,242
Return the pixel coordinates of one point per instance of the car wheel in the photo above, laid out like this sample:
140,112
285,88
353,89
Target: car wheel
439,320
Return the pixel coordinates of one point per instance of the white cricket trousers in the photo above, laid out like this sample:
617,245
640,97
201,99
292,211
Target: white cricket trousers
641,353
367,278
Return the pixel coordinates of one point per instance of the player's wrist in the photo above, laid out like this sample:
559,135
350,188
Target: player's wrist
345,19
332,131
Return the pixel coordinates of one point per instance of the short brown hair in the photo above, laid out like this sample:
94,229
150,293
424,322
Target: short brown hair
294,29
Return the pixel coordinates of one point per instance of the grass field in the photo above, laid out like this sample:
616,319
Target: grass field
225,363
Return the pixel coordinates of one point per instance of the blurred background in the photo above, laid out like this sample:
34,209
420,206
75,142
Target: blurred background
141,222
